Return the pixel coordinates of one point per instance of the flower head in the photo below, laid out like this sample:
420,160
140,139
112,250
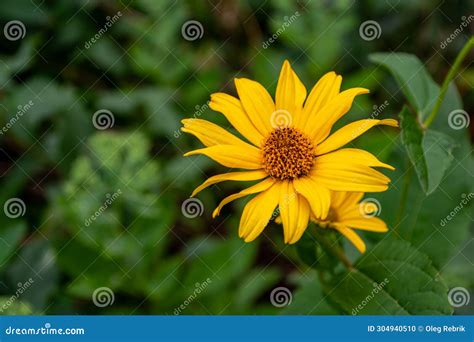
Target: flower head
289,149
348,212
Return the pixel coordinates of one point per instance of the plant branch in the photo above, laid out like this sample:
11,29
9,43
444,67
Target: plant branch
449,77
332,248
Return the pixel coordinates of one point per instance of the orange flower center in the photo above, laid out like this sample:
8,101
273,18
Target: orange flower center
287,153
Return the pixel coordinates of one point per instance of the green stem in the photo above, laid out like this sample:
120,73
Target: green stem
449,77
332,248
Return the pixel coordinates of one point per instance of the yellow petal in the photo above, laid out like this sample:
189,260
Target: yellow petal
257,213
352,156
324,91
294,212
352,236
372,224
343,202
231,176
318,196
232,156
257,103
319,125
290,93
210,134
350,132
232,109
259,187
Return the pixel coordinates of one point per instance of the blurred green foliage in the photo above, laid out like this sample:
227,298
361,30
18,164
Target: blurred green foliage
143,71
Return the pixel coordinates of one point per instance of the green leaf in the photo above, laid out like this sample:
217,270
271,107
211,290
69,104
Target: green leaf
414,80
436,224
10,237
429,151
14,306
37,261
309,298
313,254
391,279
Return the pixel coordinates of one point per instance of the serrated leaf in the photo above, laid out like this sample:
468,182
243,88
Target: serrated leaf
393,278
414,80
429,151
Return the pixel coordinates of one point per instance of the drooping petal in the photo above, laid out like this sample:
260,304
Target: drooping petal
232,156
352,236
373,224
319,126
294,212
259,187
257,213
209,133
257,103
232,109
318,196
324,91
231,176
290,93
350,132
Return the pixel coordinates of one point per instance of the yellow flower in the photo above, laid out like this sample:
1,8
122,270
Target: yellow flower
347,213
289,148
